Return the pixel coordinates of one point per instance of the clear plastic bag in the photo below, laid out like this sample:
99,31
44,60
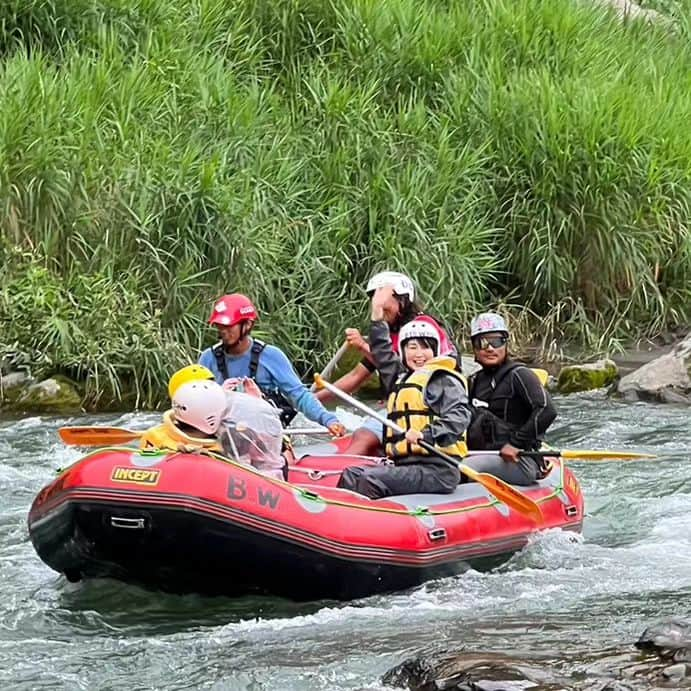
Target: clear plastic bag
251,433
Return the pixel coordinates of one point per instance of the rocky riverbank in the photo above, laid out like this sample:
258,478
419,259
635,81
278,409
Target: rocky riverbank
654,372
659,372
660,658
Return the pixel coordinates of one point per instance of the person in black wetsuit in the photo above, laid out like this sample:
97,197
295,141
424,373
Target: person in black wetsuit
511,409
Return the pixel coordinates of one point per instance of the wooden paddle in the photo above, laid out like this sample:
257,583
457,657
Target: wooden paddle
114,436
581,454
97,436
331,364
500,489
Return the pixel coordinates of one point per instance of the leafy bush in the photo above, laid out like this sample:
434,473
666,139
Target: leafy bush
528,152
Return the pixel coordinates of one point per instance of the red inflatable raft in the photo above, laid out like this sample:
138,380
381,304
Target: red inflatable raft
190,523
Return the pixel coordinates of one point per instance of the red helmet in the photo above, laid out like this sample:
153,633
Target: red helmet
233,309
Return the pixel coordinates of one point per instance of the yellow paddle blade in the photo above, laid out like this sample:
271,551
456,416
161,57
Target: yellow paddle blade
504,492
97,436
588,455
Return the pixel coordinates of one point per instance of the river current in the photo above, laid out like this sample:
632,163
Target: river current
575,603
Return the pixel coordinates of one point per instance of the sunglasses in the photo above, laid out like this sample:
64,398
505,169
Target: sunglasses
482,342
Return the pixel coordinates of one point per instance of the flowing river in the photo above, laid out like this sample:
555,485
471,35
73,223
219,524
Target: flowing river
569,605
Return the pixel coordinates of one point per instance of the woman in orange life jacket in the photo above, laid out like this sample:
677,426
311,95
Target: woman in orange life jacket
398,308
427,399
511,408
198,406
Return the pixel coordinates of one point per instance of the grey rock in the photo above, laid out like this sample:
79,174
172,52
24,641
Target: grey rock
460,672
13,380
671,640
665,379
675,672
672,396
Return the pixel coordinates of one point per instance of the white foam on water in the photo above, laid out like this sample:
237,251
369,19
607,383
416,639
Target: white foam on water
562,589
22,424
349,418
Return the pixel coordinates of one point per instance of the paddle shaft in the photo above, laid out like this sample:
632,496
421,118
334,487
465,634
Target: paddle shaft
114,436
331,364
577,454
307,431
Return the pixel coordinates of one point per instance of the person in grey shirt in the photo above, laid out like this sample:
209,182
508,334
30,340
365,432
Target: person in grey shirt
427,398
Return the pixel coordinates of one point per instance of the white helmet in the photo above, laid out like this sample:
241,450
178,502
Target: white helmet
401,284
489,322
200,404
417,329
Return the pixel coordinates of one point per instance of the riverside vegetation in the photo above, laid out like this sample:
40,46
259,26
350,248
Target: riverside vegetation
157,153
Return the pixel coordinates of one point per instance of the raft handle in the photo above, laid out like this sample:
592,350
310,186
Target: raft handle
571,511
128,523
436,534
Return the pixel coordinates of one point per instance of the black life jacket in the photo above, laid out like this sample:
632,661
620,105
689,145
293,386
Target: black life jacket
274,396
497,411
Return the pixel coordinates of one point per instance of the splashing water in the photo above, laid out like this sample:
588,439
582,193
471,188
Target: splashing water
563,596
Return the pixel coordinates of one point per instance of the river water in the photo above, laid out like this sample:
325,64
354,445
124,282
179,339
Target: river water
571,606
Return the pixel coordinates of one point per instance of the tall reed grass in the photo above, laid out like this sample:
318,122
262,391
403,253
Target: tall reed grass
155,154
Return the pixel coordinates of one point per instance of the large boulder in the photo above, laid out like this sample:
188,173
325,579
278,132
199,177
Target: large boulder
666,379
463,671
670,639
593,375
55,395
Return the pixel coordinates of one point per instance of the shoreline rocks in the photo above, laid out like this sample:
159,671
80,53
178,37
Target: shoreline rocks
665,659
20,393
594,375
665,379
658,373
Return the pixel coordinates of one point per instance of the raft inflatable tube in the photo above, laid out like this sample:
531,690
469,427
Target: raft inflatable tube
186,523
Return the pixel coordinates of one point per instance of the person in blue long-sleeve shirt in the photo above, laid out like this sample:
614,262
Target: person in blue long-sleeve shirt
239,356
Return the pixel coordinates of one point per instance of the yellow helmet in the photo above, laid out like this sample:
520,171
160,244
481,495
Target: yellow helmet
186,374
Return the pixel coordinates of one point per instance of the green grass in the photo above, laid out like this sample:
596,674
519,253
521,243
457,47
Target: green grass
155,154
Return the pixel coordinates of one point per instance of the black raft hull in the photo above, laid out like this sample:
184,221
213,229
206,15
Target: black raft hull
194,524
180,551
